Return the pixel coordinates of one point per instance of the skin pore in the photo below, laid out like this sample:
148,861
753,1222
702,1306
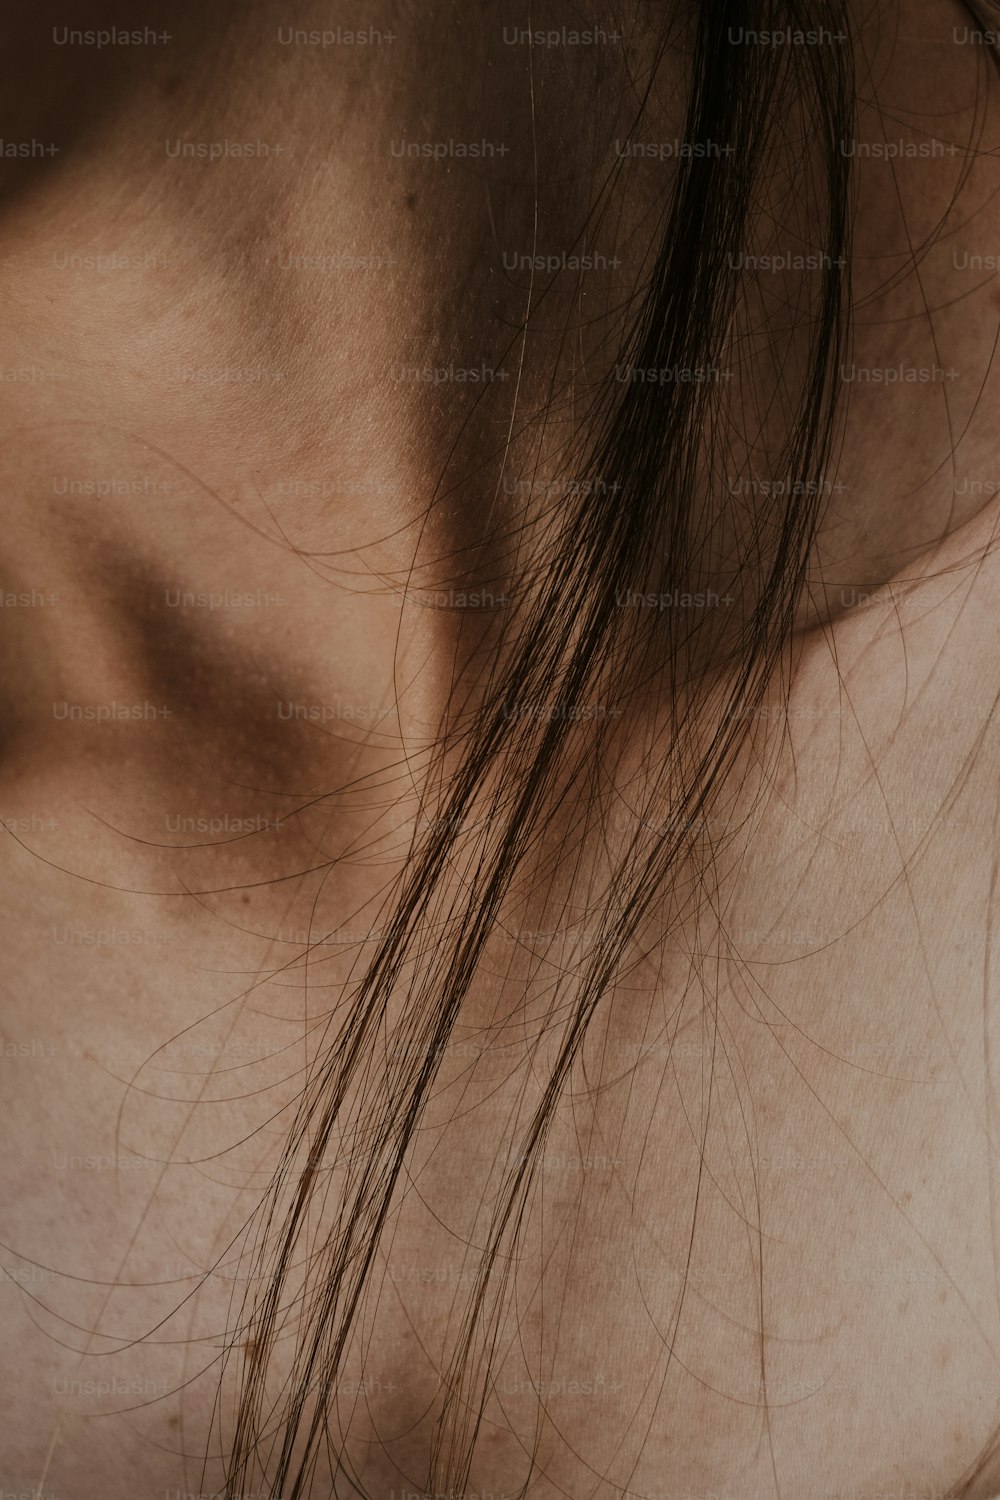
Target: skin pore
246,380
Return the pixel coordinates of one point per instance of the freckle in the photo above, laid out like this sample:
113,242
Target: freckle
174,1422
246,898
411,201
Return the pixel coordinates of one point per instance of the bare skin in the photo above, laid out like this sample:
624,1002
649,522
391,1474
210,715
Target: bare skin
170,753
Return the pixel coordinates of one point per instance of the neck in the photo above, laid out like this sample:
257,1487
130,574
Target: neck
242,373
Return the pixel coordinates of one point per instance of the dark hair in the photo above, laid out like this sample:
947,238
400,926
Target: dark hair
634,516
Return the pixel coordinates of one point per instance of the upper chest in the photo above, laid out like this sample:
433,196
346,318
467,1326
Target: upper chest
759,1238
